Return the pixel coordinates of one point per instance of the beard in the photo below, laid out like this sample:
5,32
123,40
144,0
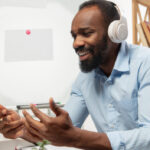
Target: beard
99,55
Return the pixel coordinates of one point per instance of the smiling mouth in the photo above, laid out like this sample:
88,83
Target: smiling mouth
80,53
83,55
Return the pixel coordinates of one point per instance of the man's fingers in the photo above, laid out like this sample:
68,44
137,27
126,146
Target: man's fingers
3,111
13,116
11,126
1,127
31,137
34,123
15,133
4,121
39,114
33,131
57,110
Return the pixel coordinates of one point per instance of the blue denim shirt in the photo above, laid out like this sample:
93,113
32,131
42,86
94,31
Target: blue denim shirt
119,104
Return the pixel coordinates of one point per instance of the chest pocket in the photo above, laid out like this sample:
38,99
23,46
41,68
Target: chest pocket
125,101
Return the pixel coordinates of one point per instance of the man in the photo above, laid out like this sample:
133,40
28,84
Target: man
113,88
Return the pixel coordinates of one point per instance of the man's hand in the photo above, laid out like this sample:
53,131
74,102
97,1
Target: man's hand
11,124
58,130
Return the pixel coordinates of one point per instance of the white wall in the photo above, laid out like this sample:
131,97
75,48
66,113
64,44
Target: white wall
36,81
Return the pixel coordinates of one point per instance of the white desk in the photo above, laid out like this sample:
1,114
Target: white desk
8,144
54,148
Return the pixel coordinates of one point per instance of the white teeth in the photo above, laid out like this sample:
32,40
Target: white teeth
82,53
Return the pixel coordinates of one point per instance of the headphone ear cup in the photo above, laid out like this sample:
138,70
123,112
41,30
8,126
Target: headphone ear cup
121,32
118,31
112,30
122,29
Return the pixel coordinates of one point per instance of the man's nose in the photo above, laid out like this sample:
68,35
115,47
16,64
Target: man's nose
78,42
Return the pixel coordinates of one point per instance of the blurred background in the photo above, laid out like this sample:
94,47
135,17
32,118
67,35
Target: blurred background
37,60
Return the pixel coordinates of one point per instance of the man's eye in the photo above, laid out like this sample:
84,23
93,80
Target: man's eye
87,34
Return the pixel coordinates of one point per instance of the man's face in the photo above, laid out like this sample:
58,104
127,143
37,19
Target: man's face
90,38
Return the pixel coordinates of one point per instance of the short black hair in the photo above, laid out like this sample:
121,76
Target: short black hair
107,8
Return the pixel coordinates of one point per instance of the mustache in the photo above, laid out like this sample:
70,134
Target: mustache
83,49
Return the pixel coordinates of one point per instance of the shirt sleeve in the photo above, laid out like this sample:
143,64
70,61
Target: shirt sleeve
76,106
138,138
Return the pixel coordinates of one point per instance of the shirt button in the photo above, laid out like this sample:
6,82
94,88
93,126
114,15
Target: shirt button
110,105
112,126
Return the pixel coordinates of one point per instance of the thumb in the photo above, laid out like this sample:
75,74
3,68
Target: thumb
57,110
3,111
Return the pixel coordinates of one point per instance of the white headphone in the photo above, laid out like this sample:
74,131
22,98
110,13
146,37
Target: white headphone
118,29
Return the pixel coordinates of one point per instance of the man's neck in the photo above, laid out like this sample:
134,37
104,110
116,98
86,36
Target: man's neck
108,67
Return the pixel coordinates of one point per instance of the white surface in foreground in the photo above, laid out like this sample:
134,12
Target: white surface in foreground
9,144
49,147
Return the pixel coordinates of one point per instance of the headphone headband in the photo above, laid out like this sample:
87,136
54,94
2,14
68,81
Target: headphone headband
118,30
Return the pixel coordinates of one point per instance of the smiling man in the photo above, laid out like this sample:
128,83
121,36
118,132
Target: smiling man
113,87
91,42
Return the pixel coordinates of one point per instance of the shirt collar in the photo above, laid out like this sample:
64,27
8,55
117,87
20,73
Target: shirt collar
122,61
